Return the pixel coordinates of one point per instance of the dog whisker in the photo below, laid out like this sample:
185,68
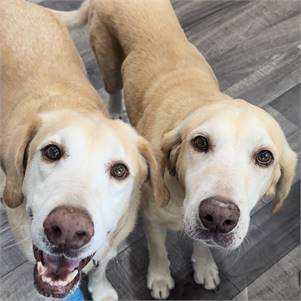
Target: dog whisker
247,241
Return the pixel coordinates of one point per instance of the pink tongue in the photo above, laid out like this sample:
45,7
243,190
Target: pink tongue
59,264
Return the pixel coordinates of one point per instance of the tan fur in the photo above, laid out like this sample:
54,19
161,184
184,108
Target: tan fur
44,89
161,194
287,170
165,78
25,92
13,157
140,46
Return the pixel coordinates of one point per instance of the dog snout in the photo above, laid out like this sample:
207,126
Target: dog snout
68,227
219,214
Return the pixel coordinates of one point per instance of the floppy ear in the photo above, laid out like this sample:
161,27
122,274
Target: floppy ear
288,162
171,144
13,161
155,176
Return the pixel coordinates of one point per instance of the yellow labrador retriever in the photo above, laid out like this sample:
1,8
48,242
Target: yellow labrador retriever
219,155
73,175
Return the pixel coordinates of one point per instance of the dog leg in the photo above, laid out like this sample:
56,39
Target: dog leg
159,279
99,286
204,266
109,57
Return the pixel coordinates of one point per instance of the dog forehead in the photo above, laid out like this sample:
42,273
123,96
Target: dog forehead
91,135
102,144
237,125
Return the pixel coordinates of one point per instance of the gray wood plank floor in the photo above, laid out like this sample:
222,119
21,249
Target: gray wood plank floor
254,48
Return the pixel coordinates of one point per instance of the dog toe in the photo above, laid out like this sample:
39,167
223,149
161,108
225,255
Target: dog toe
161,286
207,276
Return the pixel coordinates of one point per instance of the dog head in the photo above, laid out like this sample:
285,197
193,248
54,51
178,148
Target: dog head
227,156
78,175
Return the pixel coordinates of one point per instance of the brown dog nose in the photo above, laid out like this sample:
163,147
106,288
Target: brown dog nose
219,214
68,227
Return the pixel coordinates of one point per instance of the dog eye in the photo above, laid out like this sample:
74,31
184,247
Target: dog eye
264,158
52,152
200,143
119,171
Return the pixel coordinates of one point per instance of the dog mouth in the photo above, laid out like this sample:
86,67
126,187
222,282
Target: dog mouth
55,275
212,238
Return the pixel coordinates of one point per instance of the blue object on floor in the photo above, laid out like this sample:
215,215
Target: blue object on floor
77,295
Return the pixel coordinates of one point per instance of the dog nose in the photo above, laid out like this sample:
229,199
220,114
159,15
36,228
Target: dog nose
219,214
69,227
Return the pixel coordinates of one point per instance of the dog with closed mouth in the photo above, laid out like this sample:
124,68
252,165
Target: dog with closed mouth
219,155
73,175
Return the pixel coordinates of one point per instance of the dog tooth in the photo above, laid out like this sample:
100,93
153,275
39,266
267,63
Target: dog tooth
41,268
45,279
71,276
62,283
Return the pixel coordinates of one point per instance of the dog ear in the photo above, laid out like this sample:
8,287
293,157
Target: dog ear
171,145
13,159
287,162
155,176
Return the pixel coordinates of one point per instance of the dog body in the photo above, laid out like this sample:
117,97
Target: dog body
219,155
73,175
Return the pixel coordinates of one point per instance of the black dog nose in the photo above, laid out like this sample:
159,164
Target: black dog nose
219,214
68,227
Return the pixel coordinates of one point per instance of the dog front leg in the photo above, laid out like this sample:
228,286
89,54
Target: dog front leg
99,286
204,266
159,279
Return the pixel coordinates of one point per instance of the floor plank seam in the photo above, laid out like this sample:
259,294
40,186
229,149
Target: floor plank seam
189,26
12,270
274,264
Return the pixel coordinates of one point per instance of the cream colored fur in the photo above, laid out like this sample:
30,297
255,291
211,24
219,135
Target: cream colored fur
172,95
46,98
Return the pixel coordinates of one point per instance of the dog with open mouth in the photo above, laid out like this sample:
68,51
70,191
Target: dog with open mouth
73,175
219,155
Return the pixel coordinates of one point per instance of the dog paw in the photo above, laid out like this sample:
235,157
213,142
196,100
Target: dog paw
110,298
103,292
206,275
160,285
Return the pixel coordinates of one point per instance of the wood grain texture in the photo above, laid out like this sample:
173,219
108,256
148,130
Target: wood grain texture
280,282
254,48
11,256
242,296
286,104
18,285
